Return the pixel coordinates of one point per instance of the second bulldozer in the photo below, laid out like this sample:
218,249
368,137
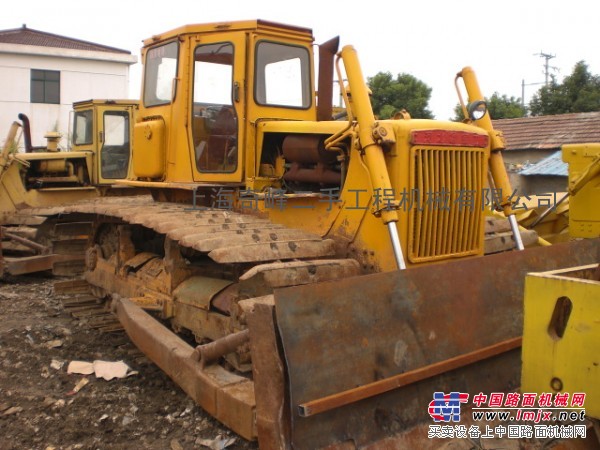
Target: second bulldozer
34,182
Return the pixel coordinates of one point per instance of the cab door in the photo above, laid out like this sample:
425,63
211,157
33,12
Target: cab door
114,142
217,110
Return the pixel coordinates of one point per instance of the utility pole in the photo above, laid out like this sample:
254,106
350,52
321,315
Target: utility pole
547,57
547,68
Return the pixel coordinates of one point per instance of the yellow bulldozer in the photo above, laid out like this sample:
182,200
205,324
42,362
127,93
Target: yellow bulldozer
325,277
37,179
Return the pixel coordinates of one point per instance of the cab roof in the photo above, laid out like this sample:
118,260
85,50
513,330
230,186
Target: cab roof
97,101
252,25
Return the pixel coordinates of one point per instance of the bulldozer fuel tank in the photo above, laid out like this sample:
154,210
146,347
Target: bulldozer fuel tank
364,355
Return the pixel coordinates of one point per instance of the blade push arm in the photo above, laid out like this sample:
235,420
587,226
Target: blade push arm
371,134
498,144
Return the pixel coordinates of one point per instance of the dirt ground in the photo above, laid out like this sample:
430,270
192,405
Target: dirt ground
38,409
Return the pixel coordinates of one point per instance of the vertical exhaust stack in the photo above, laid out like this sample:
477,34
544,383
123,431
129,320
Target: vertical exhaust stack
26,132
327,52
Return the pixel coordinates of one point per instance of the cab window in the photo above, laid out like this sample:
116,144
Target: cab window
114,157
214,122
83,127
282,75
160,73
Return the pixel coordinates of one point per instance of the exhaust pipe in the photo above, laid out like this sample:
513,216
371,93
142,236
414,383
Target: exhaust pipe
26,132
327,52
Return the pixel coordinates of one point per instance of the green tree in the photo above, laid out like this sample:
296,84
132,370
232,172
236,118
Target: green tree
499,107
390,95
579,92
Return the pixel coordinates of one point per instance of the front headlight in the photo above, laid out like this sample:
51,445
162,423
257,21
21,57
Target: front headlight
477,110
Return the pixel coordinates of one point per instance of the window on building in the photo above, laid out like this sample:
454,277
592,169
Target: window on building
45,86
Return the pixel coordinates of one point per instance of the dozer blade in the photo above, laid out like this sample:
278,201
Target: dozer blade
364,355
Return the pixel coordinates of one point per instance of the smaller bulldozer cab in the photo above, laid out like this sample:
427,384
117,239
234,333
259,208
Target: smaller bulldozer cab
103,128
205,90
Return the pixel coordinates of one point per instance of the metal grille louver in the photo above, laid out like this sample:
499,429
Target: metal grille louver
446,212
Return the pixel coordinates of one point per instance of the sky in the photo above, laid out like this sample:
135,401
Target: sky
429,39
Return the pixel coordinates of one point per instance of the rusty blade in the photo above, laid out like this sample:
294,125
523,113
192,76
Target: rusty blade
272,418
340,335
388,384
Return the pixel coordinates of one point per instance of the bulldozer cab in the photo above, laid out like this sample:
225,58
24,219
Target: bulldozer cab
104,128
218,81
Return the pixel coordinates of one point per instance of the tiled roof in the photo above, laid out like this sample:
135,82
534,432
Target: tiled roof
28,36
549,132
553,165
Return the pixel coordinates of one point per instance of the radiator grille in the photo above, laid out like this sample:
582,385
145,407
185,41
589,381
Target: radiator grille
446,213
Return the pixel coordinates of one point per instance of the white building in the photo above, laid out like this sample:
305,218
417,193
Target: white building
42,74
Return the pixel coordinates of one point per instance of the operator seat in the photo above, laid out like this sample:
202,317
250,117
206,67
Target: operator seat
220,152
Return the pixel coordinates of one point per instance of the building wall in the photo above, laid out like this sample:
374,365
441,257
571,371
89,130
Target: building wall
543,184
80,79
515,159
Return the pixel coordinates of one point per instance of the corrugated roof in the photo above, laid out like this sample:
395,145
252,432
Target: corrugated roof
553,165
29,36
549,132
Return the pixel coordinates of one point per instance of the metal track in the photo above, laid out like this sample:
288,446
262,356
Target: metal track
78,300
226,236
205,270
